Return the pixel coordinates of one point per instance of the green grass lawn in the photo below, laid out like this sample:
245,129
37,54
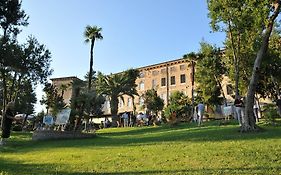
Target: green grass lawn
184,149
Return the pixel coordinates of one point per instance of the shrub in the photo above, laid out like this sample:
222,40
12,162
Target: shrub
270,114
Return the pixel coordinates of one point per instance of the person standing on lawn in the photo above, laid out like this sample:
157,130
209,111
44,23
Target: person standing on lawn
7,120
239,109
201,110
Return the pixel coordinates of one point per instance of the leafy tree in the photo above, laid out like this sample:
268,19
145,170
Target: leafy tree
152,101
249,120
12,17
88,104
19,63
92,33
33,63
180,104
8,54
27,62
84,104
52,99
241,21
210,70
115,86
248,25
27,98
270,80
76,109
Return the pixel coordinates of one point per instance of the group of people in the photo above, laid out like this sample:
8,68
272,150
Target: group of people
128,119
240,107
238,111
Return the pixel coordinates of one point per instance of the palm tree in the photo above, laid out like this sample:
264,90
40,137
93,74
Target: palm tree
84,104
92,33
192,58
116,86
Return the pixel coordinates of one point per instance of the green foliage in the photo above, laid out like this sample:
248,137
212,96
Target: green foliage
53,100
180,104
152,101
91,34
209,72
270,79
89,102
39,117
241,15
243,22
21,65
26,99
12,16
35,61
270,114
115,86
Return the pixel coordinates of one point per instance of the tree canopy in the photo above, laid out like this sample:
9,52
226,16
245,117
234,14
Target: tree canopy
115,86
248,26
21,65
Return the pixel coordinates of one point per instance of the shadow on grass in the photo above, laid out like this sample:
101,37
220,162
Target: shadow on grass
16,167
144,136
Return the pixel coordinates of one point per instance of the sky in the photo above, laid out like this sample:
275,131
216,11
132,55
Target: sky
136,32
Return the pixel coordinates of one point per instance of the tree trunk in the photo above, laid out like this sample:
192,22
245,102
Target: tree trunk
4,89
220,86
12,87
248,121
91,64
192,86
114,110
236,62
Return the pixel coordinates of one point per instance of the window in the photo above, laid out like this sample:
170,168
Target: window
130,102
120,103
141,74
141,101
182,67
155,72
154,83
141,85
173,69
182,78
163,81
163,97
173,80
106,104
163,71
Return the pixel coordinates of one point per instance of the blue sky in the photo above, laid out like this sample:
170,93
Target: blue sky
136,32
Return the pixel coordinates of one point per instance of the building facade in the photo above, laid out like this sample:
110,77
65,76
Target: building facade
165,78
64,84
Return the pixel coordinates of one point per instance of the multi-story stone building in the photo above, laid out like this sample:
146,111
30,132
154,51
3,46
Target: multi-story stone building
165,78
65,84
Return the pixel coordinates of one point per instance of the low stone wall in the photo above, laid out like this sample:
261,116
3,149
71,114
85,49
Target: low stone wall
50,135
